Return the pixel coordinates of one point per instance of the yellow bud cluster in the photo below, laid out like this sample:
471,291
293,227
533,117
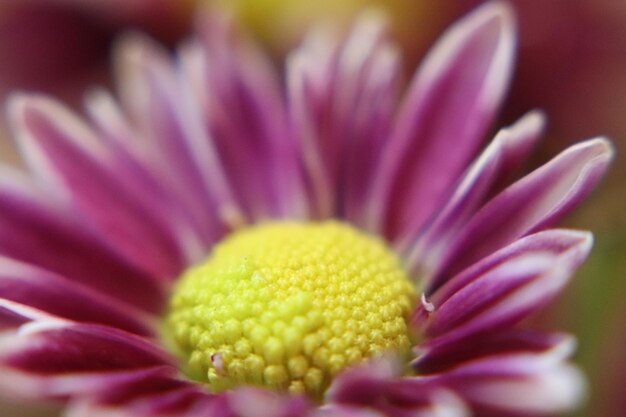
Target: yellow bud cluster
289,305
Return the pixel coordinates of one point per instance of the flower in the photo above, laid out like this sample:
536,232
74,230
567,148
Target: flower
208,156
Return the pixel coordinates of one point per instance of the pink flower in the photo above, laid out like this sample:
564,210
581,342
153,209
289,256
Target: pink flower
201,147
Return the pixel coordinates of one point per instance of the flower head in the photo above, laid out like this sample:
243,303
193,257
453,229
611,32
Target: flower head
342,250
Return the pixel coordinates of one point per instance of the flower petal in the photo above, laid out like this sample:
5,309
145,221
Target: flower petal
440,354
533,203
336,410
123,138
450,105
517,284
244,114
555,242
53,358
168,128
158,395
251,402
519,383
60,297
342,97
503,155
64,153
377,386
37,232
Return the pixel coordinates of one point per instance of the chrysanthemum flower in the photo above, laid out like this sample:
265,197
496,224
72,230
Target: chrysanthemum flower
218,244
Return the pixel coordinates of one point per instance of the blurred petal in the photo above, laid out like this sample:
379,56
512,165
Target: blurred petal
336,410
170,135
251,402
66,154
377,385
241,102
124,139
161,394
35,231
342,98
452,102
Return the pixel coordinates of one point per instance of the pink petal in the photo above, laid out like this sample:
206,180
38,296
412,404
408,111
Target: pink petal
244,114
377,386
252,402
553,241
60,297
505,153
336,410
505,293
124,139
342,98
452,101
66,154
519,383
169,130
159,395
10,319
440,354
37,232
54,358
535,202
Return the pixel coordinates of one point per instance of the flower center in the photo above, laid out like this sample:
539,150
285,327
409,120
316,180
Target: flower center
289,305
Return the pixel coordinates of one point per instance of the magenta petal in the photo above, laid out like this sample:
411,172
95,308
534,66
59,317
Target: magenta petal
60,297
360,384
450,106
58,347
241,102
440,354
38,233
520,383
168,133
503,294
252,402
10,319
342,97
66,154
503,155
203,226
57,358
535,202
553,241
339,410
160,394
377,386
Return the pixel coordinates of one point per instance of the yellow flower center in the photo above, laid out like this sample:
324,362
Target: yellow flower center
289,305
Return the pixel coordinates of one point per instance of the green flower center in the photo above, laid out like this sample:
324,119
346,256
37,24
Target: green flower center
289,305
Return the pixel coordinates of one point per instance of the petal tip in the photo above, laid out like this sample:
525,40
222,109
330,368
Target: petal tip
498,14
534,120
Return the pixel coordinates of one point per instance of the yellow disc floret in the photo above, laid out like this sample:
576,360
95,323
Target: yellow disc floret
289,305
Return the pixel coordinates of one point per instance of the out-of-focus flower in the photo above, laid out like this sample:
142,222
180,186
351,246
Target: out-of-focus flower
208,155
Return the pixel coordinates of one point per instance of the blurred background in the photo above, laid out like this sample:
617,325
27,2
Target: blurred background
571,63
